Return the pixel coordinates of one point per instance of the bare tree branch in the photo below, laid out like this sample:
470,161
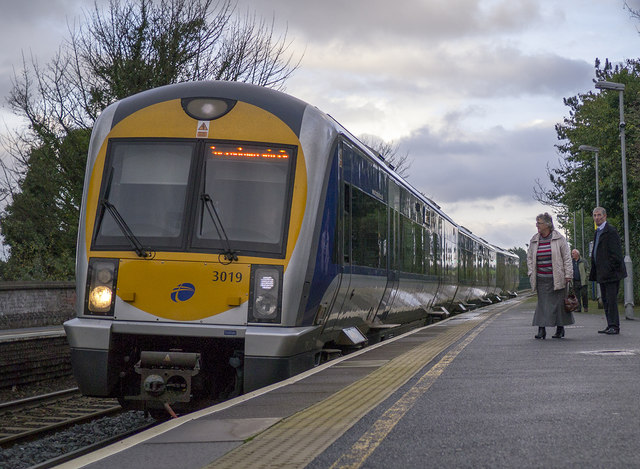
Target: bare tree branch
389,152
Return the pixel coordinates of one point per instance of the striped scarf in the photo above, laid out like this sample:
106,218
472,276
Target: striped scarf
543,258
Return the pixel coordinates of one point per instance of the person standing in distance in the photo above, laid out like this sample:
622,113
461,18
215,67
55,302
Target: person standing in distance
580,281
607,268
550,269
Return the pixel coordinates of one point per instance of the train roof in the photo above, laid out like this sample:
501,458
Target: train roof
288,108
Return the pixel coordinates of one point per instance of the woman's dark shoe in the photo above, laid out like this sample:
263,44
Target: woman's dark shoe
559,333
542,333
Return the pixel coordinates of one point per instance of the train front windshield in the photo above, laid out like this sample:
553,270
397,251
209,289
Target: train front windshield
196,196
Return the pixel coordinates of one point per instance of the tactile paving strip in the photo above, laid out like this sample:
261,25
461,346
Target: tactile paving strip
297,440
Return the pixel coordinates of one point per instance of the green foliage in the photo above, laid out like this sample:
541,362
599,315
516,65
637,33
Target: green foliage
594,119
41,223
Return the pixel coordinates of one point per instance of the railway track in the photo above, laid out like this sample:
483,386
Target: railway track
28,418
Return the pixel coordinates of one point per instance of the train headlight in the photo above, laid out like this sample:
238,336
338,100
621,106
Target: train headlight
265,306
265,301
100,298
206,109
101,284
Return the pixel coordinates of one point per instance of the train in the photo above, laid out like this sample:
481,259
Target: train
232,236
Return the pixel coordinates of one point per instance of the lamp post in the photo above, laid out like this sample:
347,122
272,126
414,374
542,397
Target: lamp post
628,281
582,224
594,150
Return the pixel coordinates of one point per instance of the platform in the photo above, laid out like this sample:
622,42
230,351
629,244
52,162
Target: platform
12,335
475,390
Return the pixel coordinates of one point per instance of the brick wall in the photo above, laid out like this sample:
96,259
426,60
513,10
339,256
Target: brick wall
34,304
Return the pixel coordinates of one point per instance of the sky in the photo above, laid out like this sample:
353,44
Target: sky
470,89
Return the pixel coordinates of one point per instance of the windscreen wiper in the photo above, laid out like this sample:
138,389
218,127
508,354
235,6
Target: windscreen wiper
229,254
139,249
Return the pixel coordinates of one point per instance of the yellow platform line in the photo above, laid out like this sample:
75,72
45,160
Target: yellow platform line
367,444
296,440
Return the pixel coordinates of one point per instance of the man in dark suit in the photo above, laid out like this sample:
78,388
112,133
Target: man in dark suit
607,268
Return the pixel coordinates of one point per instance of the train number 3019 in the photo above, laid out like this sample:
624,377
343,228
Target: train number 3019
227,276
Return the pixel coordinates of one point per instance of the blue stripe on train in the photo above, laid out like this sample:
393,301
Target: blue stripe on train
325,268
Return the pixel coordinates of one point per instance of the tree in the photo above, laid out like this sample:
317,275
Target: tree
137,47
389,152
594,120
126,48
41,223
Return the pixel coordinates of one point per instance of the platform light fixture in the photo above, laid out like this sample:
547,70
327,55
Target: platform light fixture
628,281
609,85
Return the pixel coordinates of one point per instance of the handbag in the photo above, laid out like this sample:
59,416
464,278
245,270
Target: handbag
570,300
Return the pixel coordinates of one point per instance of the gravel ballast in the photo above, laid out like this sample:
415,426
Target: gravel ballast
75,438
24,455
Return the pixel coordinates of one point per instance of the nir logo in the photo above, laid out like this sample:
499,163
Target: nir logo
183,292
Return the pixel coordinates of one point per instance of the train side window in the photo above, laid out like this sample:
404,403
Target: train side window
346,225
394,242
347,158
428,255
347,198
418,267
436,249
369,231
407,237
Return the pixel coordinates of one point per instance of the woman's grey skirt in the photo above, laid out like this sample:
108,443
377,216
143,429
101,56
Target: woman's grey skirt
550,308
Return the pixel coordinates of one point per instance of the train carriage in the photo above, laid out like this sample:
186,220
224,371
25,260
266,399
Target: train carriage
232,236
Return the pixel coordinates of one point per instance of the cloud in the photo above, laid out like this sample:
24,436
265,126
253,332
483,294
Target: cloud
481,70
376,21
504,221
452,166
35,28
484,72
391,92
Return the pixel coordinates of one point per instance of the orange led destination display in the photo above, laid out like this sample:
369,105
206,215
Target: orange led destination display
248,151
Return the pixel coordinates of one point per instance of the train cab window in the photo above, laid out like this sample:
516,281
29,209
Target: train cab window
146,183
249,192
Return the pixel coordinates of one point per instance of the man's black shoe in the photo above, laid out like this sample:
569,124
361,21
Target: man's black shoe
612,331
604,331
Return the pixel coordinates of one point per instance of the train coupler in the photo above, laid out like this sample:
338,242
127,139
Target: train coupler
166,376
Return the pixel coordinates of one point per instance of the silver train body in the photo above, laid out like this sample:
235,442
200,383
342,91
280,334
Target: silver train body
256,236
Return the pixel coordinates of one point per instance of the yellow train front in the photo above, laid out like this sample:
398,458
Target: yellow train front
193,205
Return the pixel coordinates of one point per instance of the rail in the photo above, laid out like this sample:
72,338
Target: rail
27,418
